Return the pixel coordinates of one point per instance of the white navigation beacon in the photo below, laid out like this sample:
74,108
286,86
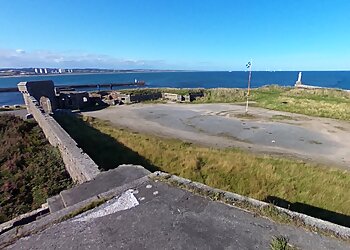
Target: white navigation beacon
298,82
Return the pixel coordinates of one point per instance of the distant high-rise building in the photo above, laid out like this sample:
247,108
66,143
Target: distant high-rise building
36,71
41,71
45,70
61,71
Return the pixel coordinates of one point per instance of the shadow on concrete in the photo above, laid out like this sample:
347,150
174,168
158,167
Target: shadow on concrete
106,151
310,210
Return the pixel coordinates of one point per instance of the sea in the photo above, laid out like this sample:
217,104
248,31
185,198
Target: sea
180,79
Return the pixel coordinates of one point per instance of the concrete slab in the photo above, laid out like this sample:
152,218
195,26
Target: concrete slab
55,203
165,217
102,183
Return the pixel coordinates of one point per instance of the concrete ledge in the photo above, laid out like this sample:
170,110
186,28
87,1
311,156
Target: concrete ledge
24,218
9,237
232,198
103,182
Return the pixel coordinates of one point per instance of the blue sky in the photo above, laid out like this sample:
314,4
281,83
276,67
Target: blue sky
176,34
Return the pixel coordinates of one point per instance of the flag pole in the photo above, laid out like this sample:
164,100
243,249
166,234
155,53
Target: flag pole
249,79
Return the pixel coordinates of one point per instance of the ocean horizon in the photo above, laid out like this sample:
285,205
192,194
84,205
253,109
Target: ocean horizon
185,79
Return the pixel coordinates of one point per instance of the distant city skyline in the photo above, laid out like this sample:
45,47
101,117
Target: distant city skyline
176,35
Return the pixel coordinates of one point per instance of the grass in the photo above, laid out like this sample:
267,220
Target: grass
281,243
318,102
103,149
233,170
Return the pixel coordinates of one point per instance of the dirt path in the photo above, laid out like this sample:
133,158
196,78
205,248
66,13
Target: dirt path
225,125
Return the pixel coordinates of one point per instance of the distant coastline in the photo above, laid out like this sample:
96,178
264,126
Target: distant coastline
152,71
101,73
182,79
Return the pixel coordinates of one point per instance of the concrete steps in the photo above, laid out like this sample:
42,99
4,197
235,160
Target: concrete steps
101,183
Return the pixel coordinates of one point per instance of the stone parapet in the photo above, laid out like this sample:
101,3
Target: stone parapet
79,165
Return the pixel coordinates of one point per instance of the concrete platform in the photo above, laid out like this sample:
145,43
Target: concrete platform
150,214
102,183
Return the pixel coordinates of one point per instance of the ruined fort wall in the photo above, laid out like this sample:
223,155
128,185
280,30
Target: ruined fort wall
79,165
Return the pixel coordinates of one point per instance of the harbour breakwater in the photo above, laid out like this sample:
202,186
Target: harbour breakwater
79,165
85,86
304,86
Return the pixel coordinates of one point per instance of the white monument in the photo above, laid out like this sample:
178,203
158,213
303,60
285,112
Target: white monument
298,82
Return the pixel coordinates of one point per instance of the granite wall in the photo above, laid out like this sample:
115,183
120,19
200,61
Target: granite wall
78,164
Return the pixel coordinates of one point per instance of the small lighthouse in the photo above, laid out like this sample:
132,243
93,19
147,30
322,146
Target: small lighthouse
298,82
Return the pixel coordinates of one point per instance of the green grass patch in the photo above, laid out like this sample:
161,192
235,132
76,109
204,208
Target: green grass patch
281,243
233,170
314,102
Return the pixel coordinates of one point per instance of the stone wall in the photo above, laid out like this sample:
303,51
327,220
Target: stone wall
39,89
131,98
79,165
172,97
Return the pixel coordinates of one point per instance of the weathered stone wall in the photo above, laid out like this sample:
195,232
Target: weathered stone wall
78,164
172,97
39,89
132,98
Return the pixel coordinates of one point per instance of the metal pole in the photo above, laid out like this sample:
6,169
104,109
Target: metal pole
249,79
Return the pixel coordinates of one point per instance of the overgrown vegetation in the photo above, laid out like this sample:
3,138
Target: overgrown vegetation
31,170
256,176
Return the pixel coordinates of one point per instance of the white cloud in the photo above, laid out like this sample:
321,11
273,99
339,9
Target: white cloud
20,51
19,58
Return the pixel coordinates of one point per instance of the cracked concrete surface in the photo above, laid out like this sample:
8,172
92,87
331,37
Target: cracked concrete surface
172,219
224,125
